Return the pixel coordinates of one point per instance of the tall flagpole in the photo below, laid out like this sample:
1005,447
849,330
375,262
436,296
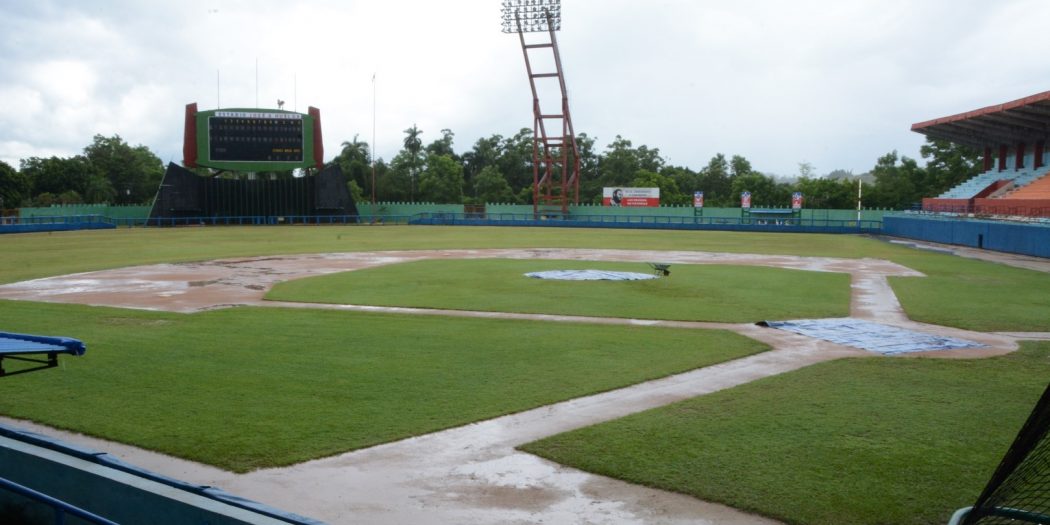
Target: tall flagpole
373,140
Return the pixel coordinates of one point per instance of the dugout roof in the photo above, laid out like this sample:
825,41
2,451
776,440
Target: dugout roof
1024,120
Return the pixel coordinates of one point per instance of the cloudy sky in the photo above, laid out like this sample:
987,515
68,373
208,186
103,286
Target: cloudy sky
836,83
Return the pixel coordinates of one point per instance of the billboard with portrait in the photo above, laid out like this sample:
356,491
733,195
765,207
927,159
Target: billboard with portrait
630,197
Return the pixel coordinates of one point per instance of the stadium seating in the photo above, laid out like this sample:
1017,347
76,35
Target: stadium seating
975,185
1039,188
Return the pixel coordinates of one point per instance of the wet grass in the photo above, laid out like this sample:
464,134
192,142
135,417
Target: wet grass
976,295
693,292
249,388
28,256
859,441
957,292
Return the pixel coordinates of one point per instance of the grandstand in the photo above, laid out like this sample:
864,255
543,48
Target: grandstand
1013,138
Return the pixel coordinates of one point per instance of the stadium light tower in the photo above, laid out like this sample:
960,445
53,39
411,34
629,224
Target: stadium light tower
555,158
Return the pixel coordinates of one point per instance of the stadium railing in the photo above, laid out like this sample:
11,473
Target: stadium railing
799,225
60,508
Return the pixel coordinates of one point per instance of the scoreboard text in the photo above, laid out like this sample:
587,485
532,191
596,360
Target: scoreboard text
252,139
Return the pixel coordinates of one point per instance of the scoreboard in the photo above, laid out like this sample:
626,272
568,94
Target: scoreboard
252,139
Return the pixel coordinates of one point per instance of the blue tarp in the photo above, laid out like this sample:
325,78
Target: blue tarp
590,275
11,343
874,337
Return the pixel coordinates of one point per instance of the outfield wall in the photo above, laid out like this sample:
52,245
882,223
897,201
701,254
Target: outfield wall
1025,239
105,210
393,209
137,215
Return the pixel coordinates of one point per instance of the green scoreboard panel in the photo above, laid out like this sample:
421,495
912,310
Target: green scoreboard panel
252,139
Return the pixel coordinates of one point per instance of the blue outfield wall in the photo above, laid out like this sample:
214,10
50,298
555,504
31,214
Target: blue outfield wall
55,224
1025,239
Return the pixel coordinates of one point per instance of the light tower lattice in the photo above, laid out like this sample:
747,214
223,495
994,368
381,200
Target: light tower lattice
555,157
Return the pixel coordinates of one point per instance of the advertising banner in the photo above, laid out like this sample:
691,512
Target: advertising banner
631,197
745,200
698,199
796,200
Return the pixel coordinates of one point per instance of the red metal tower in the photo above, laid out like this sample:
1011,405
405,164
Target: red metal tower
555,157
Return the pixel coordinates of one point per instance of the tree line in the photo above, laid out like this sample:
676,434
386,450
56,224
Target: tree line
498,169
108,171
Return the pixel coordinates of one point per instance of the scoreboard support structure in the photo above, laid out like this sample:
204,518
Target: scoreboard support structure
251,155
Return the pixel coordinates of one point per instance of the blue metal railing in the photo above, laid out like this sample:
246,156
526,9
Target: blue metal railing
769,223
266,220
60,507
753,223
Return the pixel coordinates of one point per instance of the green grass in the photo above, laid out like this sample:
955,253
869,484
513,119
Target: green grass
692,293
958,292
248,388
27,256
975,295
859,441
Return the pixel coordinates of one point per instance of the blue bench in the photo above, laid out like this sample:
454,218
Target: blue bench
43,349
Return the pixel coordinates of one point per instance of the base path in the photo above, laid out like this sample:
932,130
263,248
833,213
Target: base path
473,474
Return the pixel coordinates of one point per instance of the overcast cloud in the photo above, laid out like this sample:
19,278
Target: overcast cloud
833,83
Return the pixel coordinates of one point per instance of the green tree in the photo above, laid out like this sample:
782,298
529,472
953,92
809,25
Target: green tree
515,161
589,162
825,193
619,166
442,180
899,183
686,179
669,192
715,183
354,160
619,163
398,184
57,176
134,173
806,170
490,186
948,165
763,188
70,197
391,185
485,152
14,187
443,145
739,166
412,158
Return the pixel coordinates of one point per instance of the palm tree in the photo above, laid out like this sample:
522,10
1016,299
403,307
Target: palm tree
355,150
414,145
412,141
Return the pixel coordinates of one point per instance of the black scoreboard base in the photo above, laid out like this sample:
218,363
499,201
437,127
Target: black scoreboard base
260,199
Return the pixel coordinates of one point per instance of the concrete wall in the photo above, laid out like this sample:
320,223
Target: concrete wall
105,210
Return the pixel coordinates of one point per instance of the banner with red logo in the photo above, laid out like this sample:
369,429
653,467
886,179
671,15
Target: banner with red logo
698,199
630,197
796,200
745,199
